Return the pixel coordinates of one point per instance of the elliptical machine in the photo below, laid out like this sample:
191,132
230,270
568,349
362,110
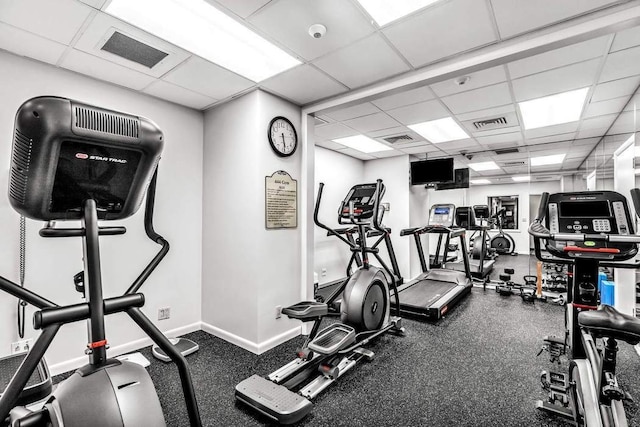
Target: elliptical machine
588,230
502,243
365,313
72,161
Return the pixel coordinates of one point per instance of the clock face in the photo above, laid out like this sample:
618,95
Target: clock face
282,136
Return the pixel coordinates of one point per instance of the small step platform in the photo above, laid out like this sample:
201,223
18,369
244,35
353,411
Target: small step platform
273,400
306,310
333,338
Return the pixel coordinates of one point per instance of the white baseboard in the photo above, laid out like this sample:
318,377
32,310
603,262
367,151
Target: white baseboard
256,348
69,365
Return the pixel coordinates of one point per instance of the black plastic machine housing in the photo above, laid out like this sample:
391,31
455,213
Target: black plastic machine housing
65,152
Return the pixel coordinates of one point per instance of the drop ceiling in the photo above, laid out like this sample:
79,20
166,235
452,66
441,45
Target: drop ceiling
356,52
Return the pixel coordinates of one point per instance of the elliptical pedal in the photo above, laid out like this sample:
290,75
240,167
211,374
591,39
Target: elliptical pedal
333,338
273,400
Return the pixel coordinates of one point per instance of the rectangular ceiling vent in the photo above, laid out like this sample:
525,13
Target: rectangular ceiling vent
494,123
499,151
544,178
513,164
398,138
133,50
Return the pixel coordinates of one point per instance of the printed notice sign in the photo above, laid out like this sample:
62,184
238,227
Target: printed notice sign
281,201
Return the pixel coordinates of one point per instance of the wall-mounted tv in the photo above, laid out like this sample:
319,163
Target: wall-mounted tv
460,180
432,171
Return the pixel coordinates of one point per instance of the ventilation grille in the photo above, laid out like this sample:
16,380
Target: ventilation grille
499,151
107,123
398,138
513,164
133,50
20,162
496,122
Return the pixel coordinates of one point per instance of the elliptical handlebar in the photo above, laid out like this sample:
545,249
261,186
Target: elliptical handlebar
330,231
376,207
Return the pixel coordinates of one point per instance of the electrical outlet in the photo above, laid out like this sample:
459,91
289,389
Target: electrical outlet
21,346
164,313
323,272
278,311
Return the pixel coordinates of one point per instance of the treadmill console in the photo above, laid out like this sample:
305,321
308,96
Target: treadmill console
442,215
590,212
363,197
481,211
465,217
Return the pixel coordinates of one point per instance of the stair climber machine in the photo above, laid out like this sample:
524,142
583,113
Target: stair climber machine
75,162
588,230
435,291
365,313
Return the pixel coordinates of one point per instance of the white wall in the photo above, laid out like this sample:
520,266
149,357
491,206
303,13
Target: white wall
339,173
51,263
247,270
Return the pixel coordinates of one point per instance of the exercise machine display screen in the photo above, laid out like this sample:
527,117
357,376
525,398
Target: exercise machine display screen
585,209
363,198
441,215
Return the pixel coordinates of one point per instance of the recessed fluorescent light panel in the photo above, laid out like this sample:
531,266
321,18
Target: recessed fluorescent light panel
202,29
441,130
363,144
521,178
553,110
480,181
547,160
385,11
483,166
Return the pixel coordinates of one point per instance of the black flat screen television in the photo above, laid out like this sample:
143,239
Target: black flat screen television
432,171
460,180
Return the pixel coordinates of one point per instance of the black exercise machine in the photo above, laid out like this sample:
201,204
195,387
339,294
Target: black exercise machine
586,230
481,264
502,243
434,292
72,161
285,395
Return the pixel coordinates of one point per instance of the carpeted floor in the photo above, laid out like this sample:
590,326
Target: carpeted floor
476,367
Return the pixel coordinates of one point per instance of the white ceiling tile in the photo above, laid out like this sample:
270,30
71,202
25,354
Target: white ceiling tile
621,64
333,131
519,16
564,132
442,30
609,106
179,95
483,114
57,20
418,113
512,137
479,99
598,122
357,154
458,145
27,44
330,145
591,133
303,84
353,112
420,149
104,70
96,4
288,22
390,153
363,62
634,103
371,122
625,123
626,39
478,79
615,88
584,142
405,98
243,8
554,81
559,57
206,78
103,26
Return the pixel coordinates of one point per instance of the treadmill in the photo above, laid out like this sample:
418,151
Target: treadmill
480,267
434,292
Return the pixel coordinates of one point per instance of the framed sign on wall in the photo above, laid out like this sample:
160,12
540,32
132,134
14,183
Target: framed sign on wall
281,201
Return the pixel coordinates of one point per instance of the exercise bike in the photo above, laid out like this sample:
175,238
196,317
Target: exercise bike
72,161
285,395
587,230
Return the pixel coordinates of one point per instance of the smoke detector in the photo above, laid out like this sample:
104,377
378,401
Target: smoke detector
461,81
317,31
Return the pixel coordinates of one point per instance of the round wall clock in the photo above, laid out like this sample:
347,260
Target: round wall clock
282,136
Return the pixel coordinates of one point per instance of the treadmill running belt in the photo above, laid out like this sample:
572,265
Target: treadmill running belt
424,293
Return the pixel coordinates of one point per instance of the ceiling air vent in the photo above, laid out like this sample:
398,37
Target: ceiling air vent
506,150
494,123
398,138
133,50
513,164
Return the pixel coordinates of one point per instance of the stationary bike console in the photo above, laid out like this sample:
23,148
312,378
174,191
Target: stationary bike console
359,203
